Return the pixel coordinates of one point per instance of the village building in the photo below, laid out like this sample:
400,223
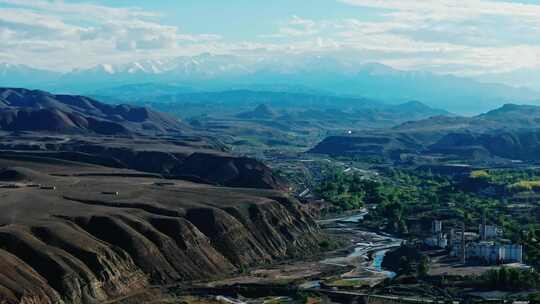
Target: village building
437,239
490,252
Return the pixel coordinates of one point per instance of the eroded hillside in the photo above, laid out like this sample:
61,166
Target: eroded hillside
81,233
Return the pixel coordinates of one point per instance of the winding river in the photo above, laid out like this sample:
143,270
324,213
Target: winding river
372,250
366,256
376,249
378,258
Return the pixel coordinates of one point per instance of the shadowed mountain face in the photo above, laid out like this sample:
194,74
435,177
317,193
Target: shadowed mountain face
510,132
101,202
104,233
27,110
78,128
369,145
263,111
195,158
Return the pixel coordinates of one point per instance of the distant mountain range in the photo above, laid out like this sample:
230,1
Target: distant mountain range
317,75
509,133
287,107
364,115
524,78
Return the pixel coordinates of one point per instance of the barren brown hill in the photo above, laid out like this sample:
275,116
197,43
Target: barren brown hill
77,128
196,158
82,233
503,135
33,110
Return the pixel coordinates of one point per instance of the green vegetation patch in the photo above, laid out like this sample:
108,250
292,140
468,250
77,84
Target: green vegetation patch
530,185
510,279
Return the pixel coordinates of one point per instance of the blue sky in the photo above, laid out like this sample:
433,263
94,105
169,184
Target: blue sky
444,36
241,19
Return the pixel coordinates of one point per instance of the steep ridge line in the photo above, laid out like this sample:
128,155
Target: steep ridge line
87,250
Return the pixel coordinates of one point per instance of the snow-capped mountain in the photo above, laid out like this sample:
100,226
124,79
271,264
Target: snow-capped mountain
292,73
180,69
137,67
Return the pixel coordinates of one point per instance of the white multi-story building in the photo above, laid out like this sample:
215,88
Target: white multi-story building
490,252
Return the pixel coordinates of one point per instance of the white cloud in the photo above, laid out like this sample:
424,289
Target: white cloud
464,37
451,9
28,24
295,27
475,35
82,35
85,11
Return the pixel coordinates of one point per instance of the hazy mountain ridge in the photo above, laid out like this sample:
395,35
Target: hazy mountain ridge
524,77
33,110
310,73
287,106
510,132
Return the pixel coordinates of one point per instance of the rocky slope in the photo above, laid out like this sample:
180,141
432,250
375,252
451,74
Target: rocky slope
367,145
104,233
515,145
507,133
32,110
81,129
188,157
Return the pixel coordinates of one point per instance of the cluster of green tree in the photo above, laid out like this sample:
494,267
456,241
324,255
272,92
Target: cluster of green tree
407,260
329,244
424,195
534,298
513,180
511,279
511,176
352,191
403,195
525,185
531,246
349,191
526,234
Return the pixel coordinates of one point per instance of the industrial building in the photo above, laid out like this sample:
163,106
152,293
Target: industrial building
490,252
486,247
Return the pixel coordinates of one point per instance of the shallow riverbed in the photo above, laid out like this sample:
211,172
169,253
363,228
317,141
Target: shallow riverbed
360,263
366,254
